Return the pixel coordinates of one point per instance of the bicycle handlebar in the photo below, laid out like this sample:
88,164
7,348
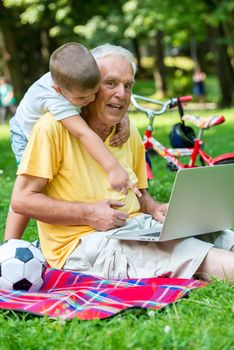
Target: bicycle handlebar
173,102
186,98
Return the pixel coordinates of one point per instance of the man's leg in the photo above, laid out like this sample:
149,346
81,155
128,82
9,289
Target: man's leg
131,259
218,263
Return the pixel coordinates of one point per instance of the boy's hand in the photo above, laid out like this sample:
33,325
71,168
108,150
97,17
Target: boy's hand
122,132
119,181
134,189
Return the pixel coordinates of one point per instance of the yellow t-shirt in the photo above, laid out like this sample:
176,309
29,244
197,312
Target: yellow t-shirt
53,153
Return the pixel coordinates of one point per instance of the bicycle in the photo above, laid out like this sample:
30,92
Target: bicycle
183,139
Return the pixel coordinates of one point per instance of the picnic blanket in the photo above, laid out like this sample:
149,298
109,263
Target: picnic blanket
67,294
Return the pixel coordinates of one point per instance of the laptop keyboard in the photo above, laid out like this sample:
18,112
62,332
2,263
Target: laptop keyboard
153,234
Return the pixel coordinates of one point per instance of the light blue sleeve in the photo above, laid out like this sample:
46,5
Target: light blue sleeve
60,107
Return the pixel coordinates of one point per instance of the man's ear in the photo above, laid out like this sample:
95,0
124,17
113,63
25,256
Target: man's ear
57,89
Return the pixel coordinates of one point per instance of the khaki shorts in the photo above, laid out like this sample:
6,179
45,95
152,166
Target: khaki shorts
110,258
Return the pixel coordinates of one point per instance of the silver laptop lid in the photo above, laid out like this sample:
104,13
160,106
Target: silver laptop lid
202,201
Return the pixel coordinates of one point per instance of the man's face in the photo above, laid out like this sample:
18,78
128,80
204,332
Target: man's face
79,97
113,97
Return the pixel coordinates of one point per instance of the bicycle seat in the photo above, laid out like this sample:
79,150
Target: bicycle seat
203,122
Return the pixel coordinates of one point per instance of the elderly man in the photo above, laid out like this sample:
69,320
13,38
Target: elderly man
67,192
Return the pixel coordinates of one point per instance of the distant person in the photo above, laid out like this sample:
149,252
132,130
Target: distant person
72,83
199,83
7,99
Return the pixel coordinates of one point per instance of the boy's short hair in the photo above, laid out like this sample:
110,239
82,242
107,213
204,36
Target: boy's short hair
104,50
73,66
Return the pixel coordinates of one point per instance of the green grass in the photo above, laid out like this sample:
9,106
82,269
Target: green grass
203,321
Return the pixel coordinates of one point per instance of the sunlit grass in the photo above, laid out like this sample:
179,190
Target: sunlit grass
4,132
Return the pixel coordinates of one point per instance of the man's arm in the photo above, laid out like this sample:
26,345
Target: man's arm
152,207
29,200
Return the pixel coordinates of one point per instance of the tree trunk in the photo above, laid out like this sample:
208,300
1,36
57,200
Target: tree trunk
223,66
10,50
137,52
159,69
26,50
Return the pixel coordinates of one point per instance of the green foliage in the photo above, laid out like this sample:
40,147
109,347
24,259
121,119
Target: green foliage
122,19
145,18
98,30
144,87
132,23
33,11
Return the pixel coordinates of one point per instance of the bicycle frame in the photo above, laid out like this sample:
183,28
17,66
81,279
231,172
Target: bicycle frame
171,155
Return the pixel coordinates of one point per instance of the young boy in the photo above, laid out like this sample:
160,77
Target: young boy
72,83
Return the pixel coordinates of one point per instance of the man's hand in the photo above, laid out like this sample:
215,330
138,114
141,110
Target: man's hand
152,207
122,132
105,217
160,211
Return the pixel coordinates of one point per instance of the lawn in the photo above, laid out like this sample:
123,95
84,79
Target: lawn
204,320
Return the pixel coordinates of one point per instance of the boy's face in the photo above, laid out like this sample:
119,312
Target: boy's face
79,97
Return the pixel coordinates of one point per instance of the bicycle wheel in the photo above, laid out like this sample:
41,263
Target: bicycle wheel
225,161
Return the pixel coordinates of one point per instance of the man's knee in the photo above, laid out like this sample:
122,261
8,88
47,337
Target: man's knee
218,263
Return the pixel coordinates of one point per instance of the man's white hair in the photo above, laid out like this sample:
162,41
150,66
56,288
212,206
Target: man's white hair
105,50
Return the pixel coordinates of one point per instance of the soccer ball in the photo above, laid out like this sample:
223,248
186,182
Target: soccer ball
21,266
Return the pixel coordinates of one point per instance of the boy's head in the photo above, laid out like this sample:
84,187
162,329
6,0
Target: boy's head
75,73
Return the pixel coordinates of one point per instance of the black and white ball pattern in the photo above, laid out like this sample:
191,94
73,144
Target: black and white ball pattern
21,266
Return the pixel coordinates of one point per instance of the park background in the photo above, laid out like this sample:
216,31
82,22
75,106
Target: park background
167,38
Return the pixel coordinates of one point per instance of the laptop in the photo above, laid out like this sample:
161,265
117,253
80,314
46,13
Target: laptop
201,201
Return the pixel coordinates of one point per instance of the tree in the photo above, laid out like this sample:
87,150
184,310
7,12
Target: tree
10,48
220,27
25,27
31,30
175,23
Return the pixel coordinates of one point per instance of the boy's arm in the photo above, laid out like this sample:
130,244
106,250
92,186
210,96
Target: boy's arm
122,132
118,177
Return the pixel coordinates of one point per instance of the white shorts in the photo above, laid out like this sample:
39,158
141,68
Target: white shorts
111,258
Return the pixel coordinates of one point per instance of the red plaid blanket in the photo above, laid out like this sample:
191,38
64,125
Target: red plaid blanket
68,294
